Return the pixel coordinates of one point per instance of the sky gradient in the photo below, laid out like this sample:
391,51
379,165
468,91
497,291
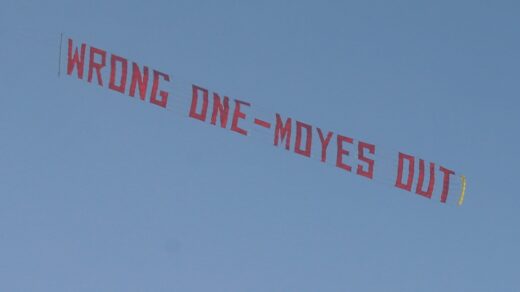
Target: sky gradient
99,192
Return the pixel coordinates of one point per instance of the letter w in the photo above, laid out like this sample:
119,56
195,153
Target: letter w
76,60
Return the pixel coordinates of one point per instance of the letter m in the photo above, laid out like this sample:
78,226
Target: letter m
282,132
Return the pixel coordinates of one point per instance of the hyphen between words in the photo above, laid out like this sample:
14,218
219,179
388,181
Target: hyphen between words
132,79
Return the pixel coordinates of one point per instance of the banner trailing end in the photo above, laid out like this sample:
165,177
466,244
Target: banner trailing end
462,190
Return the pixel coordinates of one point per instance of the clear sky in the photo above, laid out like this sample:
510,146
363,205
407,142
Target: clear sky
99,192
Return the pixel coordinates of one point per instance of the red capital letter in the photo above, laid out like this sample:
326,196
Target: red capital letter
341,151
282,132
238,115
399,181
76,60
361,156
194,100
220,109
445,183
113,68
97,66
324,144
137,78
431,183
308,139
164,94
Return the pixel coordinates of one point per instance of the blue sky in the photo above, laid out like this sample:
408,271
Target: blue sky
100,192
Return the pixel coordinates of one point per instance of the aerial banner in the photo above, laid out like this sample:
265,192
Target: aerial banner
348,154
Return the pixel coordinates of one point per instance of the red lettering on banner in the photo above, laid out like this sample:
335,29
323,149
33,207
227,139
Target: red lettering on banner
221,109
194,100
282,131
238,115
399,182
96,66
118,78
445,183
324,144
113,70
139,79
341,151
428,193
262,123
308,139
163,94
76,60
370,162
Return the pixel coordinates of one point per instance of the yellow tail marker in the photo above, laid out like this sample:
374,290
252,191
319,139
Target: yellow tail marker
463,190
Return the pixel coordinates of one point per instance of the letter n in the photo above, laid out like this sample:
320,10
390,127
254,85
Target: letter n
220,108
